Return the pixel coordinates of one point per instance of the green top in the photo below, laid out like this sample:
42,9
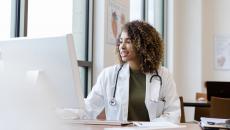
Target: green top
137,86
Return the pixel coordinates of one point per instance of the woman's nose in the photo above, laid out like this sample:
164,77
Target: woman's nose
122,45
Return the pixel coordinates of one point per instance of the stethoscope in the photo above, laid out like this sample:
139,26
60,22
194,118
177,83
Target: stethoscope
113,101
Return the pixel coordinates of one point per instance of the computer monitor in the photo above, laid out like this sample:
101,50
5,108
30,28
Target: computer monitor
37,76
218,89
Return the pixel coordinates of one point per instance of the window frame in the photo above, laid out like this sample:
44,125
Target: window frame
20,30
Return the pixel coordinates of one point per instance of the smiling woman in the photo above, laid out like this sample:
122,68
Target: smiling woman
139,88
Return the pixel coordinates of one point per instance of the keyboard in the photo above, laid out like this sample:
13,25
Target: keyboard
100,122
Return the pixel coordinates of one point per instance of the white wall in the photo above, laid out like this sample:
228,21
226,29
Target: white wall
216,19
196,22
187,47
187,50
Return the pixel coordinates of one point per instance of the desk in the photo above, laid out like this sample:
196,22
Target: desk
101,127
196,104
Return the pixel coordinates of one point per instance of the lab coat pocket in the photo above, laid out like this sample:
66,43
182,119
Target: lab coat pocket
156,108
160,108
113,111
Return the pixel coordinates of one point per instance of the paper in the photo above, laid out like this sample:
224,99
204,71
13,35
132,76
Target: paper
149,126
213,122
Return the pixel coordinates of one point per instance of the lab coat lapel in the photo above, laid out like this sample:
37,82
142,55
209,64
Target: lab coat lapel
123,90
152,88
147,89
152,96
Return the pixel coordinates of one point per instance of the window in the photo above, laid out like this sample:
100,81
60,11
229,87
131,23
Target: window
5,16
151,11
137,9
155,14
82,29
51,17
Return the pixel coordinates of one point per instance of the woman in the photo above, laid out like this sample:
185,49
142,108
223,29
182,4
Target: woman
139,88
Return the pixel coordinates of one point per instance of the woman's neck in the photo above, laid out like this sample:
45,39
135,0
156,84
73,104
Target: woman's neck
134,66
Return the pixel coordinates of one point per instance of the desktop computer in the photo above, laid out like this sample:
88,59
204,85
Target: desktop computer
38,76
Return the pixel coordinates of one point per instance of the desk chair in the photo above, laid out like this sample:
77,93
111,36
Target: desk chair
182,118
201,111
201,96
220,107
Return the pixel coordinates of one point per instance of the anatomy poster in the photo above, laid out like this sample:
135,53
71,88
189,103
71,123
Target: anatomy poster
222,52
118,15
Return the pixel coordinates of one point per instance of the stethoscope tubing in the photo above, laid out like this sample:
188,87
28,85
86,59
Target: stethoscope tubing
113,101
115,87
156,75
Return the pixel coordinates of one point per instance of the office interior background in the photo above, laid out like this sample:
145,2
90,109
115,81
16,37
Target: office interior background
188,27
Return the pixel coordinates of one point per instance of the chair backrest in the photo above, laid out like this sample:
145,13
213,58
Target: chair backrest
201,96
201,111
182,118
220,107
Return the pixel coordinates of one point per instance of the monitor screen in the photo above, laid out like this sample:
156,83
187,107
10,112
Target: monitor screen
37,76
218,89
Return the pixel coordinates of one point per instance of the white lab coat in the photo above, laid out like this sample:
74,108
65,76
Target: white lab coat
102,93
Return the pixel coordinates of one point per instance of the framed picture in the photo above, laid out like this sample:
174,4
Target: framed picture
222,52
118,15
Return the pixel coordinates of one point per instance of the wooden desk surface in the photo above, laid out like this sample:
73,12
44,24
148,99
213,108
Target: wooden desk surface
102,127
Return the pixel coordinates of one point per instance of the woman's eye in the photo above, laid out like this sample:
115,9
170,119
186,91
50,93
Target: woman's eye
125,41
128,41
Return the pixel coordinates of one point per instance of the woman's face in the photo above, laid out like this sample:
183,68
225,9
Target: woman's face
126,48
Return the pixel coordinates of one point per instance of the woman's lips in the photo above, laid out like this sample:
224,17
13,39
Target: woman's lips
123,53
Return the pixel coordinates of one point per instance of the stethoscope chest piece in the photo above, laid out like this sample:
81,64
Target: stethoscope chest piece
113,102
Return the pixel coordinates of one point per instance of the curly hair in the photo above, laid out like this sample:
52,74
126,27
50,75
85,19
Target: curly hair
147,43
